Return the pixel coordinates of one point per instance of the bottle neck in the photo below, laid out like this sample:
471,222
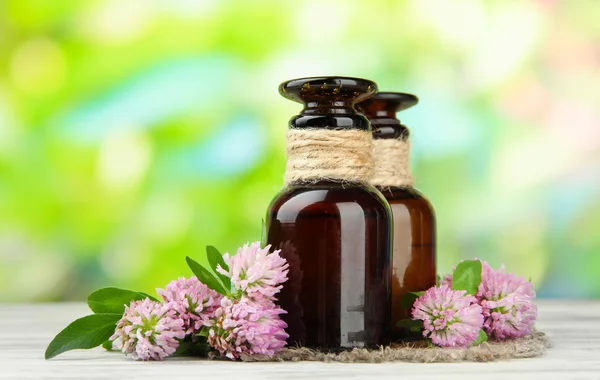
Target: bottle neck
329,140
339,155
389,129
391,157
330,121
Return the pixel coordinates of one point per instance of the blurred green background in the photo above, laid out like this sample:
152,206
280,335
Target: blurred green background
135,132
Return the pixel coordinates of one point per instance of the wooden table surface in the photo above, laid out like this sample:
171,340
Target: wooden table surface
25,330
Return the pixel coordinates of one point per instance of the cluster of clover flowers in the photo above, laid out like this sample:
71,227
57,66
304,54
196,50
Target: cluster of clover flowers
473,305
233,312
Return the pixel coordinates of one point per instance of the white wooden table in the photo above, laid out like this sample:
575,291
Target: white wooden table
25,330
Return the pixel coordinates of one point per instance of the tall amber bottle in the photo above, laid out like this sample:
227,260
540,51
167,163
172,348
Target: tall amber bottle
414,267
332,226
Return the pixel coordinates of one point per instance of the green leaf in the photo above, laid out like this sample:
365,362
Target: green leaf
189,346
203,332
183,348
113,300
410,324
438,279
200,349
467,276
108,345
215,258
482,337
205,276
87,332
149,296
409,299
263,234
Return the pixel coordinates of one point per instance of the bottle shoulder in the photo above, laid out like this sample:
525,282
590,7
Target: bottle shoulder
406,195
325,194
398,193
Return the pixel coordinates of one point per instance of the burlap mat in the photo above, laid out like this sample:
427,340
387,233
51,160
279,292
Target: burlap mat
527,347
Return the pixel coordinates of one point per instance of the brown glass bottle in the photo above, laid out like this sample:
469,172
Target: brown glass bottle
336,235
414,267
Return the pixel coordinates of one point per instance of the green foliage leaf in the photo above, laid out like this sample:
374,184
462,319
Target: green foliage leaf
196,349
215,258
149,296
183,348
263,234
410,324
108,345
205,276
482,337
467,276
87,332
203,332
409,299
113,300
438,279
196,346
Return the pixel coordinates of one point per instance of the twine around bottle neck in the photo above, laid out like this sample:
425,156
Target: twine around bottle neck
339,155
392,163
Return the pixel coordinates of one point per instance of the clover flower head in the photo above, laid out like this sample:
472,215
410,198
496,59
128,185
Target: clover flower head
255,271
507,302
148,330
246,326
193,301
451,317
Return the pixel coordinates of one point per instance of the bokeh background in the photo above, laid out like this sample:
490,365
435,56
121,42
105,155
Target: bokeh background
135,132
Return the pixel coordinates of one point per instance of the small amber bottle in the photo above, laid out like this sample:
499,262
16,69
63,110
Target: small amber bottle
332,226
414,267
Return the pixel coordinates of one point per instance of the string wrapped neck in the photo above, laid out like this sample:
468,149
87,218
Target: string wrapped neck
392,163
316,154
